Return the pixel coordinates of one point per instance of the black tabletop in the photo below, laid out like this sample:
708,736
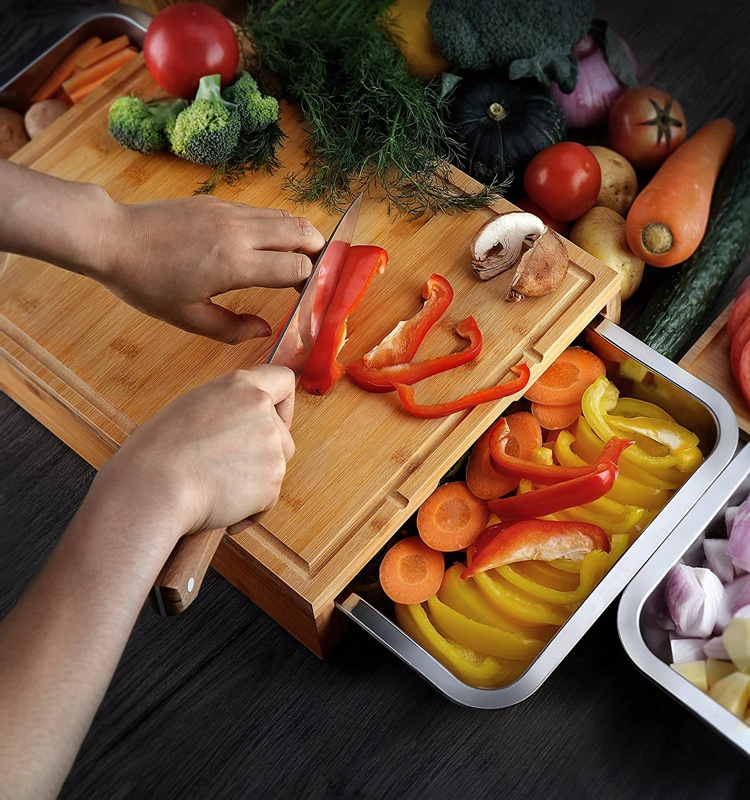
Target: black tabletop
222,703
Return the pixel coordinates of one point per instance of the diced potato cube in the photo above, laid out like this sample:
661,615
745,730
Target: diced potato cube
634,370
732,693
716,670
736,638
695,672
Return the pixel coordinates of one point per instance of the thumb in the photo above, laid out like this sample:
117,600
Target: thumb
217,322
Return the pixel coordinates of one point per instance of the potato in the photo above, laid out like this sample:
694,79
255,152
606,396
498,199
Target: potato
12,133
41,115
601,232
619,183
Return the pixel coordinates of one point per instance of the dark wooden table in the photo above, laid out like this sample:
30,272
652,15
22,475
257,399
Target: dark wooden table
223,703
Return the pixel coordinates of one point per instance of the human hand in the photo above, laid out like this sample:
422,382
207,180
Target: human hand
170,257
211,457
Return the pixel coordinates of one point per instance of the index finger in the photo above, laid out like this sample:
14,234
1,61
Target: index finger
279,383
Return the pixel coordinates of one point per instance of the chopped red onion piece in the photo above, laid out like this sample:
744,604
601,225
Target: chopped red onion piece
718,560
693,596
686,649
730,512
739,538
714,648
729,601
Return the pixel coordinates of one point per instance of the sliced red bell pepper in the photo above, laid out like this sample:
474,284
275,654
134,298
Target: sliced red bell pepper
401,344
546,474
322,369
540,502
383,379
406,395
538,540
484,538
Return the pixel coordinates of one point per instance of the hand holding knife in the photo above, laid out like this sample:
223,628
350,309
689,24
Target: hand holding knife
182,575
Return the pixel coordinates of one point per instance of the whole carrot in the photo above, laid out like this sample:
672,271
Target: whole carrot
668,218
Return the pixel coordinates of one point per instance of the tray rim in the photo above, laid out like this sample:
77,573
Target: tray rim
685,534
394,639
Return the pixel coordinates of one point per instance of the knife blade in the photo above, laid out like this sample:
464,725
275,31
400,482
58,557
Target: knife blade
298,336
182,575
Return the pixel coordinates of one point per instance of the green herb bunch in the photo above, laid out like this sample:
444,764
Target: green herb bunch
371,123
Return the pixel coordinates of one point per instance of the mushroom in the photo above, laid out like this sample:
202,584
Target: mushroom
498,243
541,270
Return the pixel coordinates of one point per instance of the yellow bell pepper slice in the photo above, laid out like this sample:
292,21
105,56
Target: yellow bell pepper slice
627,523
595,564
468,665
517,604
632,407
600,398
625,490
546,575
463,596
666,433
478,636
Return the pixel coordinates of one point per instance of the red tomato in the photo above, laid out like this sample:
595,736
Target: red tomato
563,228
187,41
564,180
646,125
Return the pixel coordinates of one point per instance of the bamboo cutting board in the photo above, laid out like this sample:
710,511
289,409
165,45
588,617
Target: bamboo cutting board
708,359
92,369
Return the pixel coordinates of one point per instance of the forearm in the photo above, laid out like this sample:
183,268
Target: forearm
61,643
61,222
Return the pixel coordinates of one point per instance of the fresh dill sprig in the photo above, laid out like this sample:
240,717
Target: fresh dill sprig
370,122
253,154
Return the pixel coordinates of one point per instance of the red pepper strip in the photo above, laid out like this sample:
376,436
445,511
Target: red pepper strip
484,538
538,540
406,395
401,344
322,369
546,474
541,502
383,379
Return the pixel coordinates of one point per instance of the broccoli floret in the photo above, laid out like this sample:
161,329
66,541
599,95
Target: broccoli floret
482,34
140,126
257,111
208,130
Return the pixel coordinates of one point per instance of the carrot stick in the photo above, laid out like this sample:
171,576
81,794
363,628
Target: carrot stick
567,378
484,481
63,71
411,572
668,218
555,418
451,517
104,67
86,90
98,53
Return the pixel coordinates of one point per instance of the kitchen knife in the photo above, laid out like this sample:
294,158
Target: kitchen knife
182,575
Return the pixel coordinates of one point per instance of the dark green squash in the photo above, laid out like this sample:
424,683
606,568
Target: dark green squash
502,125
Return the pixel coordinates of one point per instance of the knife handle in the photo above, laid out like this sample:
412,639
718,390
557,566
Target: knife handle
181,577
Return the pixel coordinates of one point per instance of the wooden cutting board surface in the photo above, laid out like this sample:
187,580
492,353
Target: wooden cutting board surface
92,368
708,359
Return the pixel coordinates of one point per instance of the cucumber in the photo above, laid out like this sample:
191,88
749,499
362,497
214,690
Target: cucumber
669,320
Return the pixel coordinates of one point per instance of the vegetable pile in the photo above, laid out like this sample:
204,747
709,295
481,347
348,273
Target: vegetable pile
534,526
709,616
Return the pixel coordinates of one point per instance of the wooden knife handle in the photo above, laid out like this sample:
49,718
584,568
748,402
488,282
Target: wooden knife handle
181,577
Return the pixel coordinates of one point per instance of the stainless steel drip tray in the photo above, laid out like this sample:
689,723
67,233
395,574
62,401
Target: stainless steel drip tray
694,404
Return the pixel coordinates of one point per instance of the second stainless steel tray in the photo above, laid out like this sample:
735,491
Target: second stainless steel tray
724,436
644,640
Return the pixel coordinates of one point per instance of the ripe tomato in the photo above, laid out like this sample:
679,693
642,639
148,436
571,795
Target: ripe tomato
564,180
646,125
187,41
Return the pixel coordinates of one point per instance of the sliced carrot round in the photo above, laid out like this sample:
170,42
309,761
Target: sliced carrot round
411,572
739,313
567,378
739,341
484,481
555,418
451,517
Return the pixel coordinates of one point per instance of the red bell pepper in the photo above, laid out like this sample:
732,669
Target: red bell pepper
383,379
322,369
538,540
401,344
540,502
546,474
406,395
